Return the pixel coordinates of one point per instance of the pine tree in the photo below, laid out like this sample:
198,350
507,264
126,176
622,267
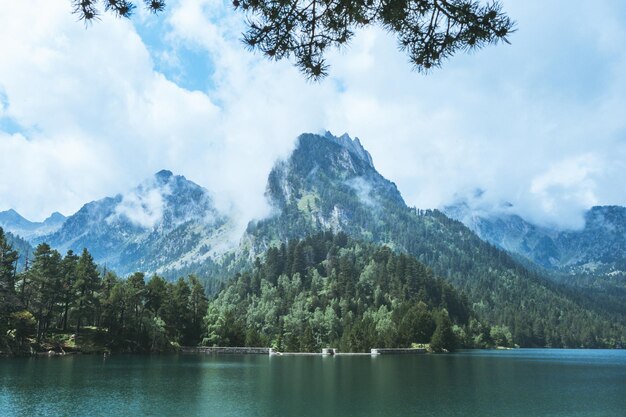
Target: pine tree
68,278
298,263
198,304
428,30
8,298
85,287
443,339
156,292
45,276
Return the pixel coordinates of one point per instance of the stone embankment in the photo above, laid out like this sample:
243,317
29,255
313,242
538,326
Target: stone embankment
270,351
398,351
228,350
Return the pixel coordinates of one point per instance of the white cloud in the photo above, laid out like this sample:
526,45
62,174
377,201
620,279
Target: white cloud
566,189
143,206
97,117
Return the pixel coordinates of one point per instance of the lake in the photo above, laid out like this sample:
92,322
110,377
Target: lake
523,382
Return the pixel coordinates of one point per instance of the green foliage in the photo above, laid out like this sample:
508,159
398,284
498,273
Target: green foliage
22,325
152,316
501,336
444,339
8,267
39,305
428,30
327,290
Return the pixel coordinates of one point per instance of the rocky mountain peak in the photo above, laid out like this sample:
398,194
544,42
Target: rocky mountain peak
163,176
353,146
55,218
12,216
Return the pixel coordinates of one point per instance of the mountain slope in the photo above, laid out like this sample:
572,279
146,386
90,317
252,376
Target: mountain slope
163,225
327,184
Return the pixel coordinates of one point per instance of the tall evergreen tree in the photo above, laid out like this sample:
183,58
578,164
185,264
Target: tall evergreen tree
156,294
444,338
68,278
45,276
198,304
8,297
85,286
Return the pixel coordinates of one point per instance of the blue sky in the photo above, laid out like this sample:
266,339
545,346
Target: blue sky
86,113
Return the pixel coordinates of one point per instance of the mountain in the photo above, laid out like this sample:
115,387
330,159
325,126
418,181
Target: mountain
165,224
169,225
13,222
599,248
330,183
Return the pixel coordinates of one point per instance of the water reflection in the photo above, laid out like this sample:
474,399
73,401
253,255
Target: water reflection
511,383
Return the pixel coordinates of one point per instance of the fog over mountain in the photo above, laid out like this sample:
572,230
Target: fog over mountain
169,224
596,248
539,123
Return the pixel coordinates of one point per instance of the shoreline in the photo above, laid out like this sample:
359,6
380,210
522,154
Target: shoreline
219,350
227,351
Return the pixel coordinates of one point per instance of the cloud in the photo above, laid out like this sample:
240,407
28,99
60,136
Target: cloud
143,206
500,118
363,189
90,112
567,188
95,116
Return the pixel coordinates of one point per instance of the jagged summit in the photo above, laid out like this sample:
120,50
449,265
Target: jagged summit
55,217
612,218
164,175
12,216
352,145
320,164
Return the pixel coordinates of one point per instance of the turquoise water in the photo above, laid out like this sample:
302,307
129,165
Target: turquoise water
525,382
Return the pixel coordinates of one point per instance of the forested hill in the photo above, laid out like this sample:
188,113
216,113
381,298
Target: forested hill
330,183
330,291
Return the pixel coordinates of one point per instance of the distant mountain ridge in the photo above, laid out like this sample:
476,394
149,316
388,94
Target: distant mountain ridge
598,248
13,222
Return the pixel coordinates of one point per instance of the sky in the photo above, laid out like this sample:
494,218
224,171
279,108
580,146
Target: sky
88,112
